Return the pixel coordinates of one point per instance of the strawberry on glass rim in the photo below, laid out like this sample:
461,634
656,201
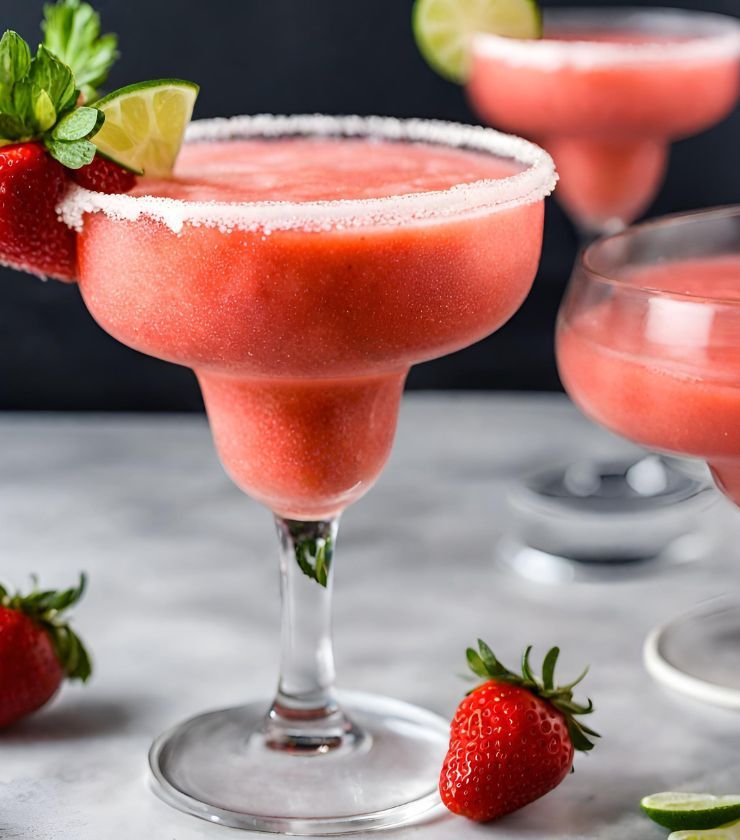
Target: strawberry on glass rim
50,134
513,738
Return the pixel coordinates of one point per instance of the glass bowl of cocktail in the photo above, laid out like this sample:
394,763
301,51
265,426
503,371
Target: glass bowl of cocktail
606,91
301,265
648,345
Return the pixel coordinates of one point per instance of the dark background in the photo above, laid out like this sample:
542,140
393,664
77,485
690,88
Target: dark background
292,56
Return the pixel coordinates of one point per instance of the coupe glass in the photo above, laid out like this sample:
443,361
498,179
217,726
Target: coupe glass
605,92
648,345
301,320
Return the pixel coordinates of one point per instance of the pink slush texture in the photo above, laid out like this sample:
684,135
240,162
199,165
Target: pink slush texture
679,394
301,340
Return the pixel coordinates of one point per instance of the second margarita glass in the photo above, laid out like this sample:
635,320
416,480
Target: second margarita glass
606,91
649,345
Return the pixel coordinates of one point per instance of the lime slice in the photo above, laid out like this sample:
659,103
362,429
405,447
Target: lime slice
728,832
145,124
444,28
691,810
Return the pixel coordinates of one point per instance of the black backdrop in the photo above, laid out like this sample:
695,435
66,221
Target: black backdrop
333,56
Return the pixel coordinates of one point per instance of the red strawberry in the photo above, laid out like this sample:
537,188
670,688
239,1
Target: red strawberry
104,176
37,650
512,739
32,237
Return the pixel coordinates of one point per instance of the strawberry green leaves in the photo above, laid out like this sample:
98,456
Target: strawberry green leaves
483,663
47,608
69,140
72,32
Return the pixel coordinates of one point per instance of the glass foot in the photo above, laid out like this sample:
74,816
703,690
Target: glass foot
594,521
218,766
698,654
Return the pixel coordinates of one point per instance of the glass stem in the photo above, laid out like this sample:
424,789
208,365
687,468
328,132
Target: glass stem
587,236
305,716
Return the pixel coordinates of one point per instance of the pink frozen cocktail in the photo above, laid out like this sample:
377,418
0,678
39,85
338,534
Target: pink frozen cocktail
606,91
301,265
648,345
302,320
649,339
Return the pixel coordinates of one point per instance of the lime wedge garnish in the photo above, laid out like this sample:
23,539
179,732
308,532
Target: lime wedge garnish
145,124
691,810
444,28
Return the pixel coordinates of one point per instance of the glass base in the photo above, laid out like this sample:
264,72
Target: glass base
218,767
698,654
601,521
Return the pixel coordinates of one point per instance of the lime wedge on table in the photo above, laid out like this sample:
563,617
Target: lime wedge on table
728,832
145,125
692,810
444,28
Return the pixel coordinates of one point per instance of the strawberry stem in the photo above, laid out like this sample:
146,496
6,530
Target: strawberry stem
484,663
47,608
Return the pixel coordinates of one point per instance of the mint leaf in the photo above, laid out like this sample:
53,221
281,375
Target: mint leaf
38,99
21,109
15,58
11,128
33,102
48,73
44,112
72,32
82,123
73,155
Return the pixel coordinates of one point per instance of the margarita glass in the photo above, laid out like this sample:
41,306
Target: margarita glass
648,344
300,265
605,92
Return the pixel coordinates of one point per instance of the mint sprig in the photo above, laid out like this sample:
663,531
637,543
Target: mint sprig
38,101
33,91
42,96
72,32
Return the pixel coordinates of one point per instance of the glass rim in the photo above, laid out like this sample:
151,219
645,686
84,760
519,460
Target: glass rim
584,261
534,183
719,36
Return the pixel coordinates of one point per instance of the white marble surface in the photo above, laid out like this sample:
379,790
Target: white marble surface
182,612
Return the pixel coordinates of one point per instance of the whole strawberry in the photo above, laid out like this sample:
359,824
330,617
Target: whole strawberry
46,133
37,649
512,739
32,238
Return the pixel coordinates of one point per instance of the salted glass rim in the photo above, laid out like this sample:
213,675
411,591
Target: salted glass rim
709,35
536,181
589,254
